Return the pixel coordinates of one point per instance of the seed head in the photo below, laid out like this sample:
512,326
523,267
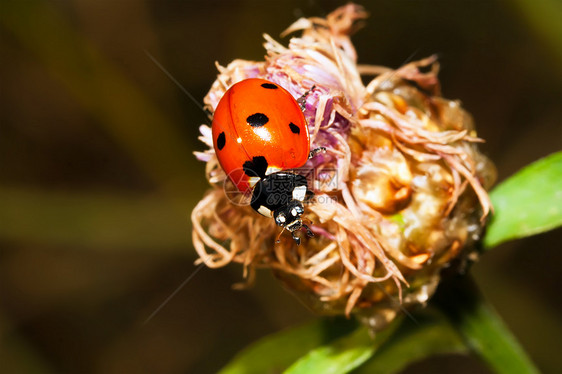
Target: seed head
399,193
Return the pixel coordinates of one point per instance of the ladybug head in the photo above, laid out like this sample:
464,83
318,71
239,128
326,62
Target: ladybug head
289,216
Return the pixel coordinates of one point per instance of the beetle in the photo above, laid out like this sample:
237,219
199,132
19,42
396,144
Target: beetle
260,135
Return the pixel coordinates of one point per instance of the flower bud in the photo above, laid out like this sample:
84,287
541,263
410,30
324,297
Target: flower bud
399,193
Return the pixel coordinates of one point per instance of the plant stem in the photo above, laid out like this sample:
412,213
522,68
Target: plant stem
481,327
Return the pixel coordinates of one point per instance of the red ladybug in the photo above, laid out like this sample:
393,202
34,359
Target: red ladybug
259,135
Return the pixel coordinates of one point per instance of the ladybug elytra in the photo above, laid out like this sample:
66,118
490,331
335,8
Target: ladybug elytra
259,134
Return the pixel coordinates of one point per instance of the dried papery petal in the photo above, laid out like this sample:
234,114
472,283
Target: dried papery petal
400,190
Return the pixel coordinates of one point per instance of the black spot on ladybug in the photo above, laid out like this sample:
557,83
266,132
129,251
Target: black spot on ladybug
256,168
257,120
294,128
221,141
271,86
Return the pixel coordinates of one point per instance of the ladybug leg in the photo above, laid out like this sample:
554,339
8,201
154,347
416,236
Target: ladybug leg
315,151
278,240
309,232
302,100
296,238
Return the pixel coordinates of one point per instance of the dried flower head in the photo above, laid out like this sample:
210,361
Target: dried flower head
400,191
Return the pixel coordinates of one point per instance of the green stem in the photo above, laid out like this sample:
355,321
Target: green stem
344,354
481,327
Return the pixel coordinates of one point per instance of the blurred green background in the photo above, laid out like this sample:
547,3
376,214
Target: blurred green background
97,177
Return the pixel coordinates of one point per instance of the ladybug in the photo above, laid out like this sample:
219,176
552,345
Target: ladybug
260,135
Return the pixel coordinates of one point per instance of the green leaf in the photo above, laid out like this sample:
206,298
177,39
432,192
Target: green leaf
276,352
344,354
426,335
528,203
481,328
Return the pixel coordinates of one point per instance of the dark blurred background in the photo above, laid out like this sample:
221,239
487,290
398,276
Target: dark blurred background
97,177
